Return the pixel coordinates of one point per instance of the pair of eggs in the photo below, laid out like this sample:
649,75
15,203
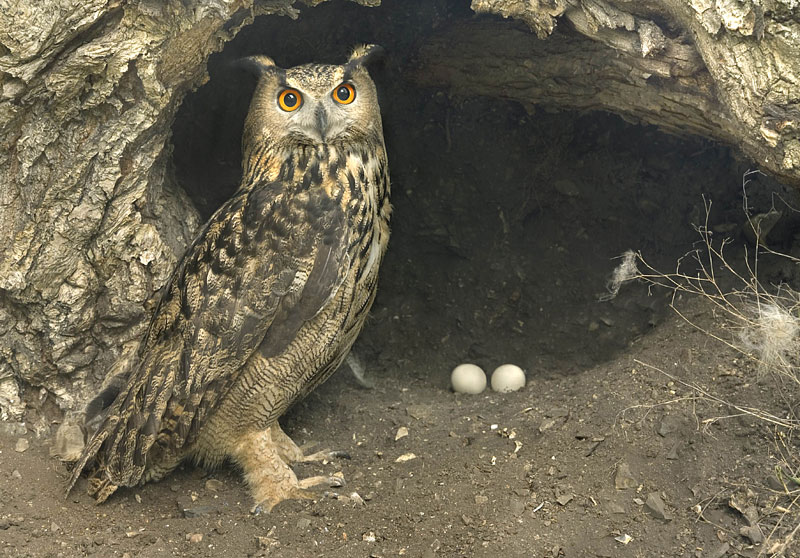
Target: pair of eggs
469,378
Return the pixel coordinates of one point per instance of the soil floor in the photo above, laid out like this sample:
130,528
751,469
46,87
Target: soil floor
572,465
624,442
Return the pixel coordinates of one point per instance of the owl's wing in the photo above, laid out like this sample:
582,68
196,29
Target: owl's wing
265,264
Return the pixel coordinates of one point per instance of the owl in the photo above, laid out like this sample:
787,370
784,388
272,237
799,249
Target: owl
266,302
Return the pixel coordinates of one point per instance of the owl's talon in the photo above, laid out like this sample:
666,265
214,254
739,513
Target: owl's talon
313,483
325,454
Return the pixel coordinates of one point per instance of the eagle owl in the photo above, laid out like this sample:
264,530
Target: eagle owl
267,300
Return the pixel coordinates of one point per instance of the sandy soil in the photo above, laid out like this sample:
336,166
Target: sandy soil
506,229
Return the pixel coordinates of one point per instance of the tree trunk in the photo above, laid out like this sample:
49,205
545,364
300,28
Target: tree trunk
723,69
94,222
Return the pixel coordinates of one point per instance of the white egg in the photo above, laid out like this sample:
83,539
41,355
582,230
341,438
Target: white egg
508,377
468,378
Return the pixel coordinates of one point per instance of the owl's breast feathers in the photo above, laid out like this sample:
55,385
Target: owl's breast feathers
267,262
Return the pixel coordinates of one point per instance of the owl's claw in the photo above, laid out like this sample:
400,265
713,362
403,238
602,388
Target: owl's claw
325,454
305,489
313,483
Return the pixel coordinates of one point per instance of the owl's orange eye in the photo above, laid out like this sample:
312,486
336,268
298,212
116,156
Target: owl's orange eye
344,94
290,100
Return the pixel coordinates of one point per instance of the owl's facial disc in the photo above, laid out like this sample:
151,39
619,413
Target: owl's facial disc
319,119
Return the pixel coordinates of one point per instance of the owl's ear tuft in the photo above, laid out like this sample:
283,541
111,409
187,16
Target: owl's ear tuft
364,54
257,65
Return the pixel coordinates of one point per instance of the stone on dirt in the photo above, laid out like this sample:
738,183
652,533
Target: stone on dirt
655,505
68,443
214,485
21,445
624,479
719,551
266,543
752,532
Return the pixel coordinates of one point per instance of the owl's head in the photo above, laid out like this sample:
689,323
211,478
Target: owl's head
312,104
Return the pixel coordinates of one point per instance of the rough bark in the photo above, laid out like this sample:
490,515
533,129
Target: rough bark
92,221
725,69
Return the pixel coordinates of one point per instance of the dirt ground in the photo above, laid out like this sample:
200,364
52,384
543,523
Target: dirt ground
505,231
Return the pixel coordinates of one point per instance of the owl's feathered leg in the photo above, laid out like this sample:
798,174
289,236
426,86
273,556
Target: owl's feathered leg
264,457
291,453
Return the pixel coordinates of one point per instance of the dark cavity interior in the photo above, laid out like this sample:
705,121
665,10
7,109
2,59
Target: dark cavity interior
506,223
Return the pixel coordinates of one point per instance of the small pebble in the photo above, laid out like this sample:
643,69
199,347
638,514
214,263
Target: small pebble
752,532
517,507
655,506
624,479
22,445
68,443
194,511
667,426
615,507
720,551
774,483
673,452
402,432
624,539
16,474
194,537
214,485
264,543
357,499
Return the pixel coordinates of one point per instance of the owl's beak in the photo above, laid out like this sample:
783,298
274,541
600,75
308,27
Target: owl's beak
321,119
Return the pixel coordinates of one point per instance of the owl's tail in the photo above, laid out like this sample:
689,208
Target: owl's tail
89,453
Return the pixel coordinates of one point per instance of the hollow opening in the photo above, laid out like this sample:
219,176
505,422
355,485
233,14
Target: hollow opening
507,219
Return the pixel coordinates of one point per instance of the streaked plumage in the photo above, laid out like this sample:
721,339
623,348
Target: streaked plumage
266,302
